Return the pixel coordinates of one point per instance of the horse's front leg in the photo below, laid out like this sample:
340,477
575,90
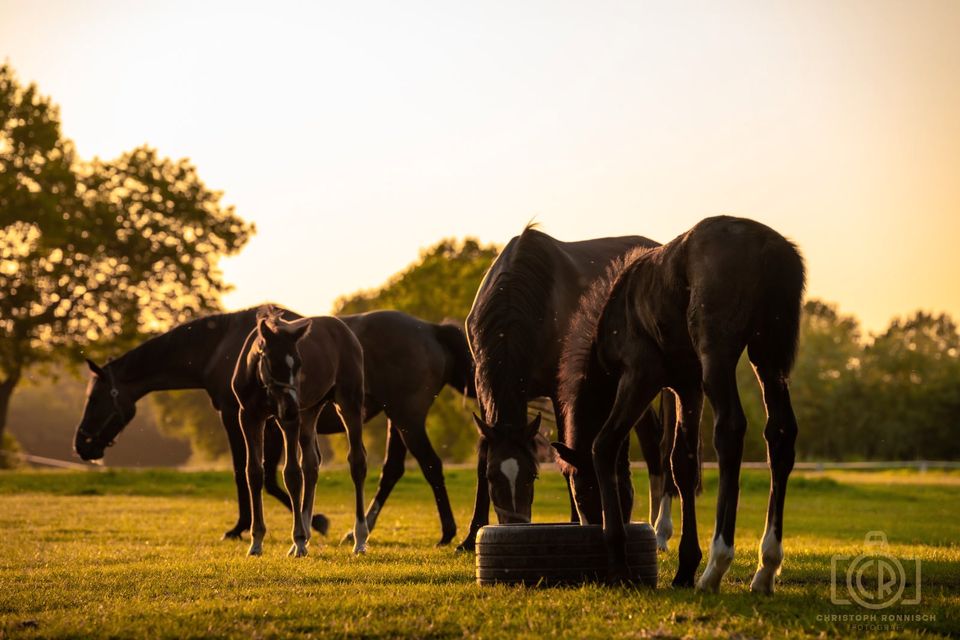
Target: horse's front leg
238,455
351,413
293,480
632,397
252,428
310,462
685,461
481,506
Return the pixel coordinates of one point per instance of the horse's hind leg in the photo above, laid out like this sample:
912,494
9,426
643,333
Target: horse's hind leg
560,421
781,435
253,435
668,489
350,409
730,426
649,432
415,435
393,469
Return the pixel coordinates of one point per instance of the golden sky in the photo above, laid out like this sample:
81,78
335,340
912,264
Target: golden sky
354,133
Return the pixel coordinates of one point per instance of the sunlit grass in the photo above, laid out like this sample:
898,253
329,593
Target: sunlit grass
137,554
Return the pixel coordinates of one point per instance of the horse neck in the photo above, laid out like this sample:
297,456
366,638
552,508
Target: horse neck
174,360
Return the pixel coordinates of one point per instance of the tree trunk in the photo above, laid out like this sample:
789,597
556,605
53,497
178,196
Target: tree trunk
6,392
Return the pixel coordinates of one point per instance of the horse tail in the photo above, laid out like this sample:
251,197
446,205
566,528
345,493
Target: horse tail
774,344
460,367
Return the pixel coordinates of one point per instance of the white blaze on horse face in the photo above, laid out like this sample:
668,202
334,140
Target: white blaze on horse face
510,468
292,392
721,557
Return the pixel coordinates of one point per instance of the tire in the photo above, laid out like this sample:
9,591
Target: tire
550,554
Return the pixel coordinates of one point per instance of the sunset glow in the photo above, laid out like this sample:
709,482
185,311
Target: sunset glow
353,134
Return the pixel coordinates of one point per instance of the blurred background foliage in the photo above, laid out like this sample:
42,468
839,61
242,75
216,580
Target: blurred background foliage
96,256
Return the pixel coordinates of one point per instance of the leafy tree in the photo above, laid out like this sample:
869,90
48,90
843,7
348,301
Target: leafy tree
825,379
98,254
188,415
440,285
911,373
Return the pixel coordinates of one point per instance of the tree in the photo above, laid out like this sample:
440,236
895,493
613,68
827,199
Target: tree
440,285
825,385
96,255
911,373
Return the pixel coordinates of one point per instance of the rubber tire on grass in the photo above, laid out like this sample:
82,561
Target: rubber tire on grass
567,553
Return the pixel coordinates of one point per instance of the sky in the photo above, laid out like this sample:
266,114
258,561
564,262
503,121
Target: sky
355,133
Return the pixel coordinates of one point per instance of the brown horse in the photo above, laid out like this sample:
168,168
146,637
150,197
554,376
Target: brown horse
516,329
287,372
680,316
406,363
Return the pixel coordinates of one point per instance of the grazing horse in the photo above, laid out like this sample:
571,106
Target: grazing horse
680,316
287,371
516,328
406,362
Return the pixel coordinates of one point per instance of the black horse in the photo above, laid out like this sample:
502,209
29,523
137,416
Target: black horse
286,372
407,362
516,329
680,316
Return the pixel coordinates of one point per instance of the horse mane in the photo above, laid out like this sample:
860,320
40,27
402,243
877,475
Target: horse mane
507,321
194,334
578,345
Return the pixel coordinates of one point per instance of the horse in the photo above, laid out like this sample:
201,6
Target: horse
201,354
407,361
287,372
515,329
680,316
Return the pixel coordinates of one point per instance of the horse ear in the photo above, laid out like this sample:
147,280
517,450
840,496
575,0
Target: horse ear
300,332
534,427
94,367
485,430
263,327
565,453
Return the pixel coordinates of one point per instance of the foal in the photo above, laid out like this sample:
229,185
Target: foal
679,316
288,371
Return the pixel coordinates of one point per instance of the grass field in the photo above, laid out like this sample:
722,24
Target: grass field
138,554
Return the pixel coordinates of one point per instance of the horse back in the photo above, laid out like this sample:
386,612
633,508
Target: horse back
332,359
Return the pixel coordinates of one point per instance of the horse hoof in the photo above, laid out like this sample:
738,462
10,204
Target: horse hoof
446,538
762,582
255,551
320,524
360,549
298,550
662,544
682,582
467,546
232,534
347,537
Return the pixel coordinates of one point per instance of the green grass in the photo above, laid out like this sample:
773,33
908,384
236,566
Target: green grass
138,554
